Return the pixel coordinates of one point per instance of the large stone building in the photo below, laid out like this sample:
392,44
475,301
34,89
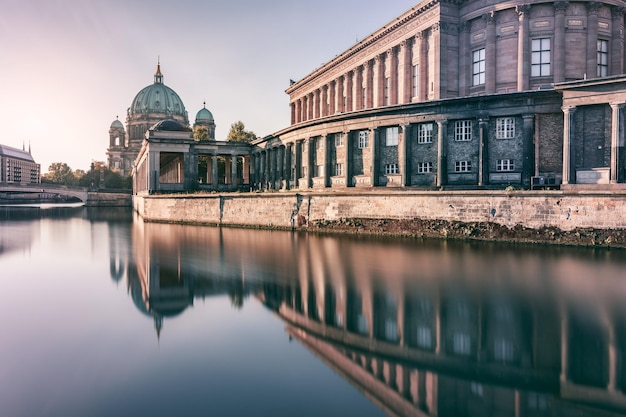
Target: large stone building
151,105
17,166
462,92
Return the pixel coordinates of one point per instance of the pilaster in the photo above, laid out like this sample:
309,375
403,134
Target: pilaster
483,152
568,122
616,130
560,7
592,39
490,53
442,158
617,50
528,133
523,58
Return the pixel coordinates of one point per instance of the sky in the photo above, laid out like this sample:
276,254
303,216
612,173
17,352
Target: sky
68,68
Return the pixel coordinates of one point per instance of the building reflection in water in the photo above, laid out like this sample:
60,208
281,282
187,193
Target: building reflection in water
422,329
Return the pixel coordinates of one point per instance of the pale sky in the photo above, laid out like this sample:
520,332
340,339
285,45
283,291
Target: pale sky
69,67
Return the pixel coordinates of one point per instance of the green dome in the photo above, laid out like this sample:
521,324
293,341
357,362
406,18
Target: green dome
158,98
204,115
117,124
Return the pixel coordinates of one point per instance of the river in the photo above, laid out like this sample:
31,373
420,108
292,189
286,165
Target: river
105,315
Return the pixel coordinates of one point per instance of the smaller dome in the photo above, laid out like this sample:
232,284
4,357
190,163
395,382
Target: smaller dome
204,115
117,124
170,125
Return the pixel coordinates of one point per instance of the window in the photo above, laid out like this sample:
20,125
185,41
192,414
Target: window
416,80
338,140
462,166
424,167
505,128
424,337
391,136
505,165
540,58
503,349
478,67
425,133
461,344
391,169
476,389
338,169
603,58
363,139
463,130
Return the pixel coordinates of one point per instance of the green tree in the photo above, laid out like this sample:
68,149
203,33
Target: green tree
200,133
60,173
238,133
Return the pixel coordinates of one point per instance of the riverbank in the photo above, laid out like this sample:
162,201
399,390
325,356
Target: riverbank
585,218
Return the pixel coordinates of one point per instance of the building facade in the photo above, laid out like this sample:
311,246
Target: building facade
462,92
18,166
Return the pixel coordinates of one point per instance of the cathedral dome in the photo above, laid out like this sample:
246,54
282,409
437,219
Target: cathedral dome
117,124
170,125
157,98
204,115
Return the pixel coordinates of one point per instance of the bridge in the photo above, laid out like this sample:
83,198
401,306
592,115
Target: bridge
11,193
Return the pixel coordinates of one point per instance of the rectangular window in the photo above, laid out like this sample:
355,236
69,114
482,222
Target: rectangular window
503,165
338,140
391,169
391,136
338,169
603,58
424,167
463,130
416,80
461,343
540,58
424,337
425,133
478,67
462,166
505,128
363,139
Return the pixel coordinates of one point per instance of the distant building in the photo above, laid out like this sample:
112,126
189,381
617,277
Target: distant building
18,166
462,93
151,105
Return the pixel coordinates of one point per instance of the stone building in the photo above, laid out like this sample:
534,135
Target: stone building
18,166
151,105
462,93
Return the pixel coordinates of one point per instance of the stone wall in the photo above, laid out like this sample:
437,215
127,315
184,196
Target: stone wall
538,209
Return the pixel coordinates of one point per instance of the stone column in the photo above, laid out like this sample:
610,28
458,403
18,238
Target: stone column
332,98
490,53
358,88
523,39
233,172
246,170
374,155
483,152
393,76
214,173
368,74
404,64
310,166
268,168
442,158
617,41
528,133
298,115
560,8
349,87
465,60
403,162
288,170
293,112
326,139
422,40
324,100
439,84
298,165
316,104
616,129
592,39
348,158
379,81
568,124
339,95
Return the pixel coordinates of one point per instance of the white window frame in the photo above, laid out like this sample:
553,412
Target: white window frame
391,136
603,58
338,140
463,166
338,170
425,133
478,67
540,61
424,167
505,128
505,165
391,169
364,139
463,130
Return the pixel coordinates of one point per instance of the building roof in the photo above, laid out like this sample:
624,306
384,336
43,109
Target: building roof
204,115
16,153
157,98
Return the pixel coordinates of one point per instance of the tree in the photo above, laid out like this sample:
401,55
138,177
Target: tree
200,133
60,173
238,133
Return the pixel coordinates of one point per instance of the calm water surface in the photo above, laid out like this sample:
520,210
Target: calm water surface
104,315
